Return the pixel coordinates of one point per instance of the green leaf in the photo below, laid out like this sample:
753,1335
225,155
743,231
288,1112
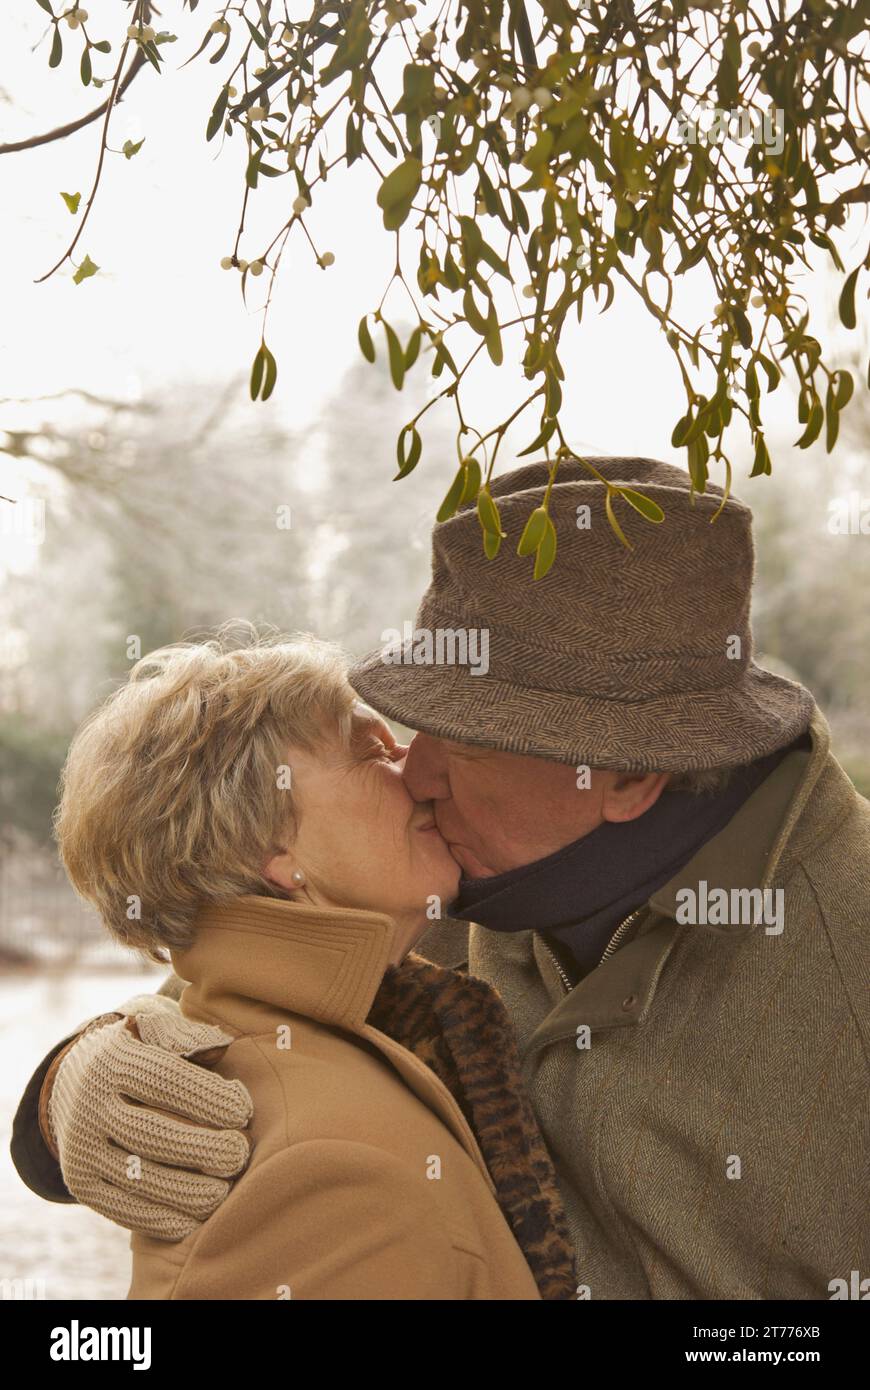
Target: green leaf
271,374
487,512
761,462
832,426
844,389
367,347
552,393
814,427
397,192
257,370
72,201
103,46
493,337
698,454
418,89
258,38
614,524
408,461
771,370
130,148
533,532
491,544
453,496
546,551
645,505
352,45
56,48
547,430
217,115
474,318
396,356
412,351
44,5
85,271
847,300
86,69
472,480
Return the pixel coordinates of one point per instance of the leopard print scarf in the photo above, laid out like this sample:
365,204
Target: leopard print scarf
458,1025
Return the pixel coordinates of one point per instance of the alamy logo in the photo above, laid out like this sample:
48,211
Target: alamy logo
75,1343
439,646
853,1287
717,907
711,125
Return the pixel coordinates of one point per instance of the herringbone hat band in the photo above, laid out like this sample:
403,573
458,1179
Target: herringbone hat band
636,659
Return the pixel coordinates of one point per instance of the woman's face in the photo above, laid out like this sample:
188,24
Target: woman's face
362,841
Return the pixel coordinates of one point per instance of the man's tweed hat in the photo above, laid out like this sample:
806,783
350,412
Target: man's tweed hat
628,659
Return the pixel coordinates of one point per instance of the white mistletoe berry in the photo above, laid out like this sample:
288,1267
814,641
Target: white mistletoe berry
521,99
226,262
327,258
256,267
543,97
300,203
428,41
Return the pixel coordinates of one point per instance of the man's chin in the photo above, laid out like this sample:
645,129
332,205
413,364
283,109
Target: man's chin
471,866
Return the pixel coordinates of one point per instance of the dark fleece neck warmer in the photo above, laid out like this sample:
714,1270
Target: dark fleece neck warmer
579,894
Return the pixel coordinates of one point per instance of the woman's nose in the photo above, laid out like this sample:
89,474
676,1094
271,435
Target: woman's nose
425,770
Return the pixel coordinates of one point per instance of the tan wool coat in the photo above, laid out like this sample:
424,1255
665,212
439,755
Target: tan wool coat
365,1180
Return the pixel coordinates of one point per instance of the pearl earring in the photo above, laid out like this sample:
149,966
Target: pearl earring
297,877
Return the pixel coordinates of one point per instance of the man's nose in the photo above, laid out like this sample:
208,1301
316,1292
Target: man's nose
425,770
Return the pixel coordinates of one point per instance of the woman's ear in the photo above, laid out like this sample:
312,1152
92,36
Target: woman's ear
284,872
628,795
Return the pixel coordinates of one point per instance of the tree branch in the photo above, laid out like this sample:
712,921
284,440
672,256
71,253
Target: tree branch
62,131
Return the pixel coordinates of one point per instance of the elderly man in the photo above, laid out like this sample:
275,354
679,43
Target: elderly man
666,873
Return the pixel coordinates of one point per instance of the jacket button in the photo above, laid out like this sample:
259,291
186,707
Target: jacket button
629,1003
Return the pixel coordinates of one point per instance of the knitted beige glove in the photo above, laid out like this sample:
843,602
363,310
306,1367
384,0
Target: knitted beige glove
158,1173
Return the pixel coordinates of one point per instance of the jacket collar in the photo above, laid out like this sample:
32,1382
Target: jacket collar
257,958
747,852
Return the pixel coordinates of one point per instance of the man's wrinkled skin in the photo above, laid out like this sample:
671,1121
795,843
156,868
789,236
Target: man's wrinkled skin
498,811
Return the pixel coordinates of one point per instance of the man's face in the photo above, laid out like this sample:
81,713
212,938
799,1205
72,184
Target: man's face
498,811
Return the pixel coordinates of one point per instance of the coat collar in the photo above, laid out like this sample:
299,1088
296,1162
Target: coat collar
745,854
258,958
255,961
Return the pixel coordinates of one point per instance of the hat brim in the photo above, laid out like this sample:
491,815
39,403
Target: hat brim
690,731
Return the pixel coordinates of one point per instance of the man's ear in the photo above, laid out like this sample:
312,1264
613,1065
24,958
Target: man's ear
628,795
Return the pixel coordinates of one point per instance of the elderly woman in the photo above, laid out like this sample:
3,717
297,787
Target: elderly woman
238,807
